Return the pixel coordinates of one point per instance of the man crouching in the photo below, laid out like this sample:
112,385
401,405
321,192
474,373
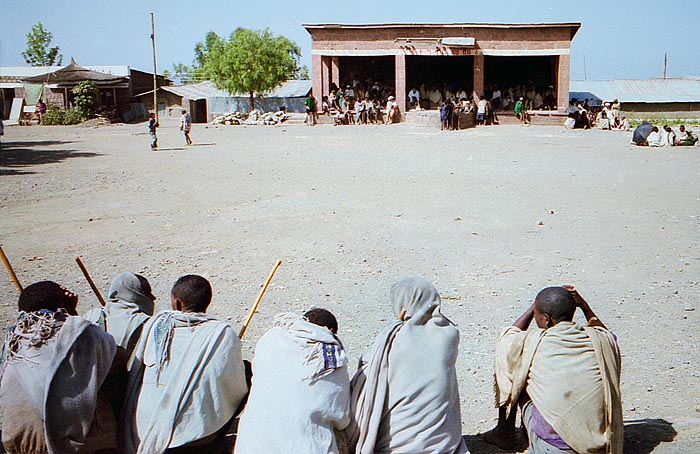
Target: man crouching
564,377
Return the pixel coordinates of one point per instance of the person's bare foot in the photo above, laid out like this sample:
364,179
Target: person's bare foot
503,438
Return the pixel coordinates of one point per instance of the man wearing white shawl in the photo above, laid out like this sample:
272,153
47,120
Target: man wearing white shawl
130,305
405,398
564,377
54,366
301,388
186,377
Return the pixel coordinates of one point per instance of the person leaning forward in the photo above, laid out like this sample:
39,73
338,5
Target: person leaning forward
186,377
59,390
564,377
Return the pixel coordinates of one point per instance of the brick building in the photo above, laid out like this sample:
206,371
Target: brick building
472,57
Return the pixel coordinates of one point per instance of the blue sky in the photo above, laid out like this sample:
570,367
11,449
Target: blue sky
620,39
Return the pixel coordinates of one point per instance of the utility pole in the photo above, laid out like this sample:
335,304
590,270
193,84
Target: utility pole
585,75
665,63
155,76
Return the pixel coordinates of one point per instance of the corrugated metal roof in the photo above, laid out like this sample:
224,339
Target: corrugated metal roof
207,89
685,89
26,71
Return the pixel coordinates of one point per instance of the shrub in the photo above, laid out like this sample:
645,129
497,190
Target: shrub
85,97
72,116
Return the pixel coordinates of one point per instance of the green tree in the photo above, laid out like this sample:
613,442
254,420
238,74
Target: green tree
252,61
38,52
85,97
212,45
303,73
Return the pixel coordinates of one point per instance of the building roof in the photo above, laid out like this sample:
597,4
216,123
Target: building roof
22,72
207,89
573,26
685,89
73,73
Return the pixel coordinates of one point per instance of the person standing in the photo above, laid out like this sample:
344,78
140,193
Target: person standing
186,125
310,103
41,109
2,130
152,125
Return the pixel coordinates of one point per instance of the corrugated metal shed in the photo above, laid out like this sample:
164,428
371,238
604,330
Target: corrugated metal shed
207,89
677,90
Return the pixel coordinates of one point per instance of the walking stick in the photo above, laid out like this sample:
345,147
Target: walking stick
10,270
89,279
259,298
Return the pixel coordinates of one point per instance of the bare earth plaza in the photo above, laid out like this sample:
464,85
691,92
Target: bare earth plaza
468,256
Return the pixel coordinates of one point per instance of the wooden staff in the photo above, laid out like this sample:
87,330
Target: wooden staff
10,270
259,298
89,279
402,314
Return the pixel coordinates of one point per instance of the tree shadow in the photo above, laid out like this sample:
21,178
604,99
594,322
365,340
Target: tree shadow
16,155
642,436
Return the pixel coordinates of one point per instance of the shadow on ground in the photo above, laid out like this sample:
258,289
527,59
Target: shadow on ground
642,436
14,155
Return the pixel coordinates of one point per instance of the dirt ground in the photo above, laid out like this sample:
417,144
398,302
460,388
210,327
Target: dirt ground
490,215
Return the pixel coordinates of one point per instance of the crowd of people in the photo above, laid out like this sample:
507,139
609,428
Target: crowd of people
123,379
581,115
648,135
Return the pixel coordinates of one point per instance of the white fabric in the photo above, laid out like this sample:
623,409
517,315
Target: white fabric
406,398
296,391
201,383
130,306
61,380
654,139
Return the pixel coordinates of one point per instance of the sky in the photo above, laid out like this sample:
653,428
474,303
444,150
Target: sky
618,39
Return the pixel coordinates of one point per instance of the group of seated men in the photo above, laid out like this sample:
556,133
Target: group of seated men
175,382
668,137
348,110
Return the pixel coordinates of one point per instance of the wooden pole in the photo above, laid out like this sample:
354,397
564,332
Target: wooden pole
89,279
10,270
402,315
155,71
259,298
665,63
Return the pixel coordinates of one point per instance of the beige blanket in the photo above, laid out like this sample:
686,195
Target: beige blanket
572,375
301,388
406,399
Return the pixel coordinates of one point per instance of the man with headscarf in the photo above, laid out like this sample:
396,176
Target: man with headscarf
300,387
564,377
405,398
55,368
130,305
186,377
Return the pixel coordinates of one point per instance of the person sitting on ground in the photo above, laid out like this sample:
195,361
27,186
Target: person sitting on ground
392,111
685,137
300,387
405,399
565,378
668,137
54,395
414,97
624,124
435,97
654,139
602,120
130,305
186,378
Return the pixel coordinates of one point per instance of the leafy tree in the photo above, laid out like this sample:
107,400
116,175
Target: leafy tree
251,61
303,73
203,51
85,97
38,52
